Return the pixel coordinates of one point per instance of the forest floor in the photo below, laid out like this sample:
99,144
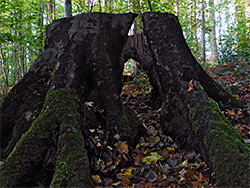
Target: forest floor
156,161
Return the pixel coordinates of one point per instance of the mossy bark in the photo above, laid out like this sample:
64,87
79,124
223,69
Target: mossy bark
72,167
227,150
25,101
34,153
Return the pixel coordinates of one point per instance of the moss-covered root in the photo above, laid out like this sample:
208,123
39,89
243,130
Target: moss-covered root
72,167
228,153
22,166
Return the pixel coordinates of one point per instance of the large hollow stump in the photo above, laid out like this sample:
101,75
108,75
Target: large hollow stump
45,116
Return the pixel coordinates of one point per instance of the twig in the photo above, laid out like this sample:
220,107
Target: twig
150,7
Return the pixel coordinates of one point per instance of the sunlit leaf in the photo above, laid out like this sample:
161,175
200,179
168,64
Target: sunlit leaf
153,158
96,179
98,144
185,163
191,85
171,148
230,113
125,172
116,183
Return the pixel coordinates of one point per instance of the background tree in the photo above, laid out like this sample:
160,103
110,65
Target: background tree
203,39
51,9
67,8
213,41
241,25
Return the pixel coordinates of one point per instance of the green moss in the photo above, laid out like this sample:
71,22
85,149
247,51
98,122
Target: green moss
72,167
192,117
220,121
27,154
227,150
60,108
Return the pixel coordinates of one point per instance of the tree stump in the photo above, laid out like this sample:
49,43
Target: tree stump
45,117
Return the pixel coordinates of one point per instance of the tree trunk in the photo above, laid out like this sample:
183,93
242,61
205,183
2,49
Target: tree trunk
40,26
203,39
67,8
194,8
45,119
51,9
214,48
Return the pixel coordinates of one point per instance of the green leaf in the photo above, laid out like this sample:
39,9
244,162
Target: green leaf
153,158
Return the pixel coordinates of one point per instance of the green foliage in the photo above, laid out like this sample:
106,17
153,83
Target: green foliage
21,39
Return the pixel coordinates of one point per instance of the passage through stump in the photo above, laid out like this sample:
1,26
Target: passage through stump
45,118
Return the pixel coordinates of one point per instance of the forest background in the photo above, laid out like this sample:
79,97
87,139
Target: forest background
217,31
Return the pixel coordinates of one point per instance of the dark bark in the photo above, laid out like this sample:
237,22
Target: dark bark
49,113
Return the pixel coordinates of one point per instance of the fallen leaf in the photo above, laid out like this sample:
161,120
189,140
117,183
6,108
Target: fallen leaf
125,181
182,172
116,183
151,176
173,162
107,181
191,85
159,184
230,113
124,157
190,173
185,163
116,160
171,179
141,184
137,159
163,177
171,148
125,172
122,147
98,144
96,179
153,158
